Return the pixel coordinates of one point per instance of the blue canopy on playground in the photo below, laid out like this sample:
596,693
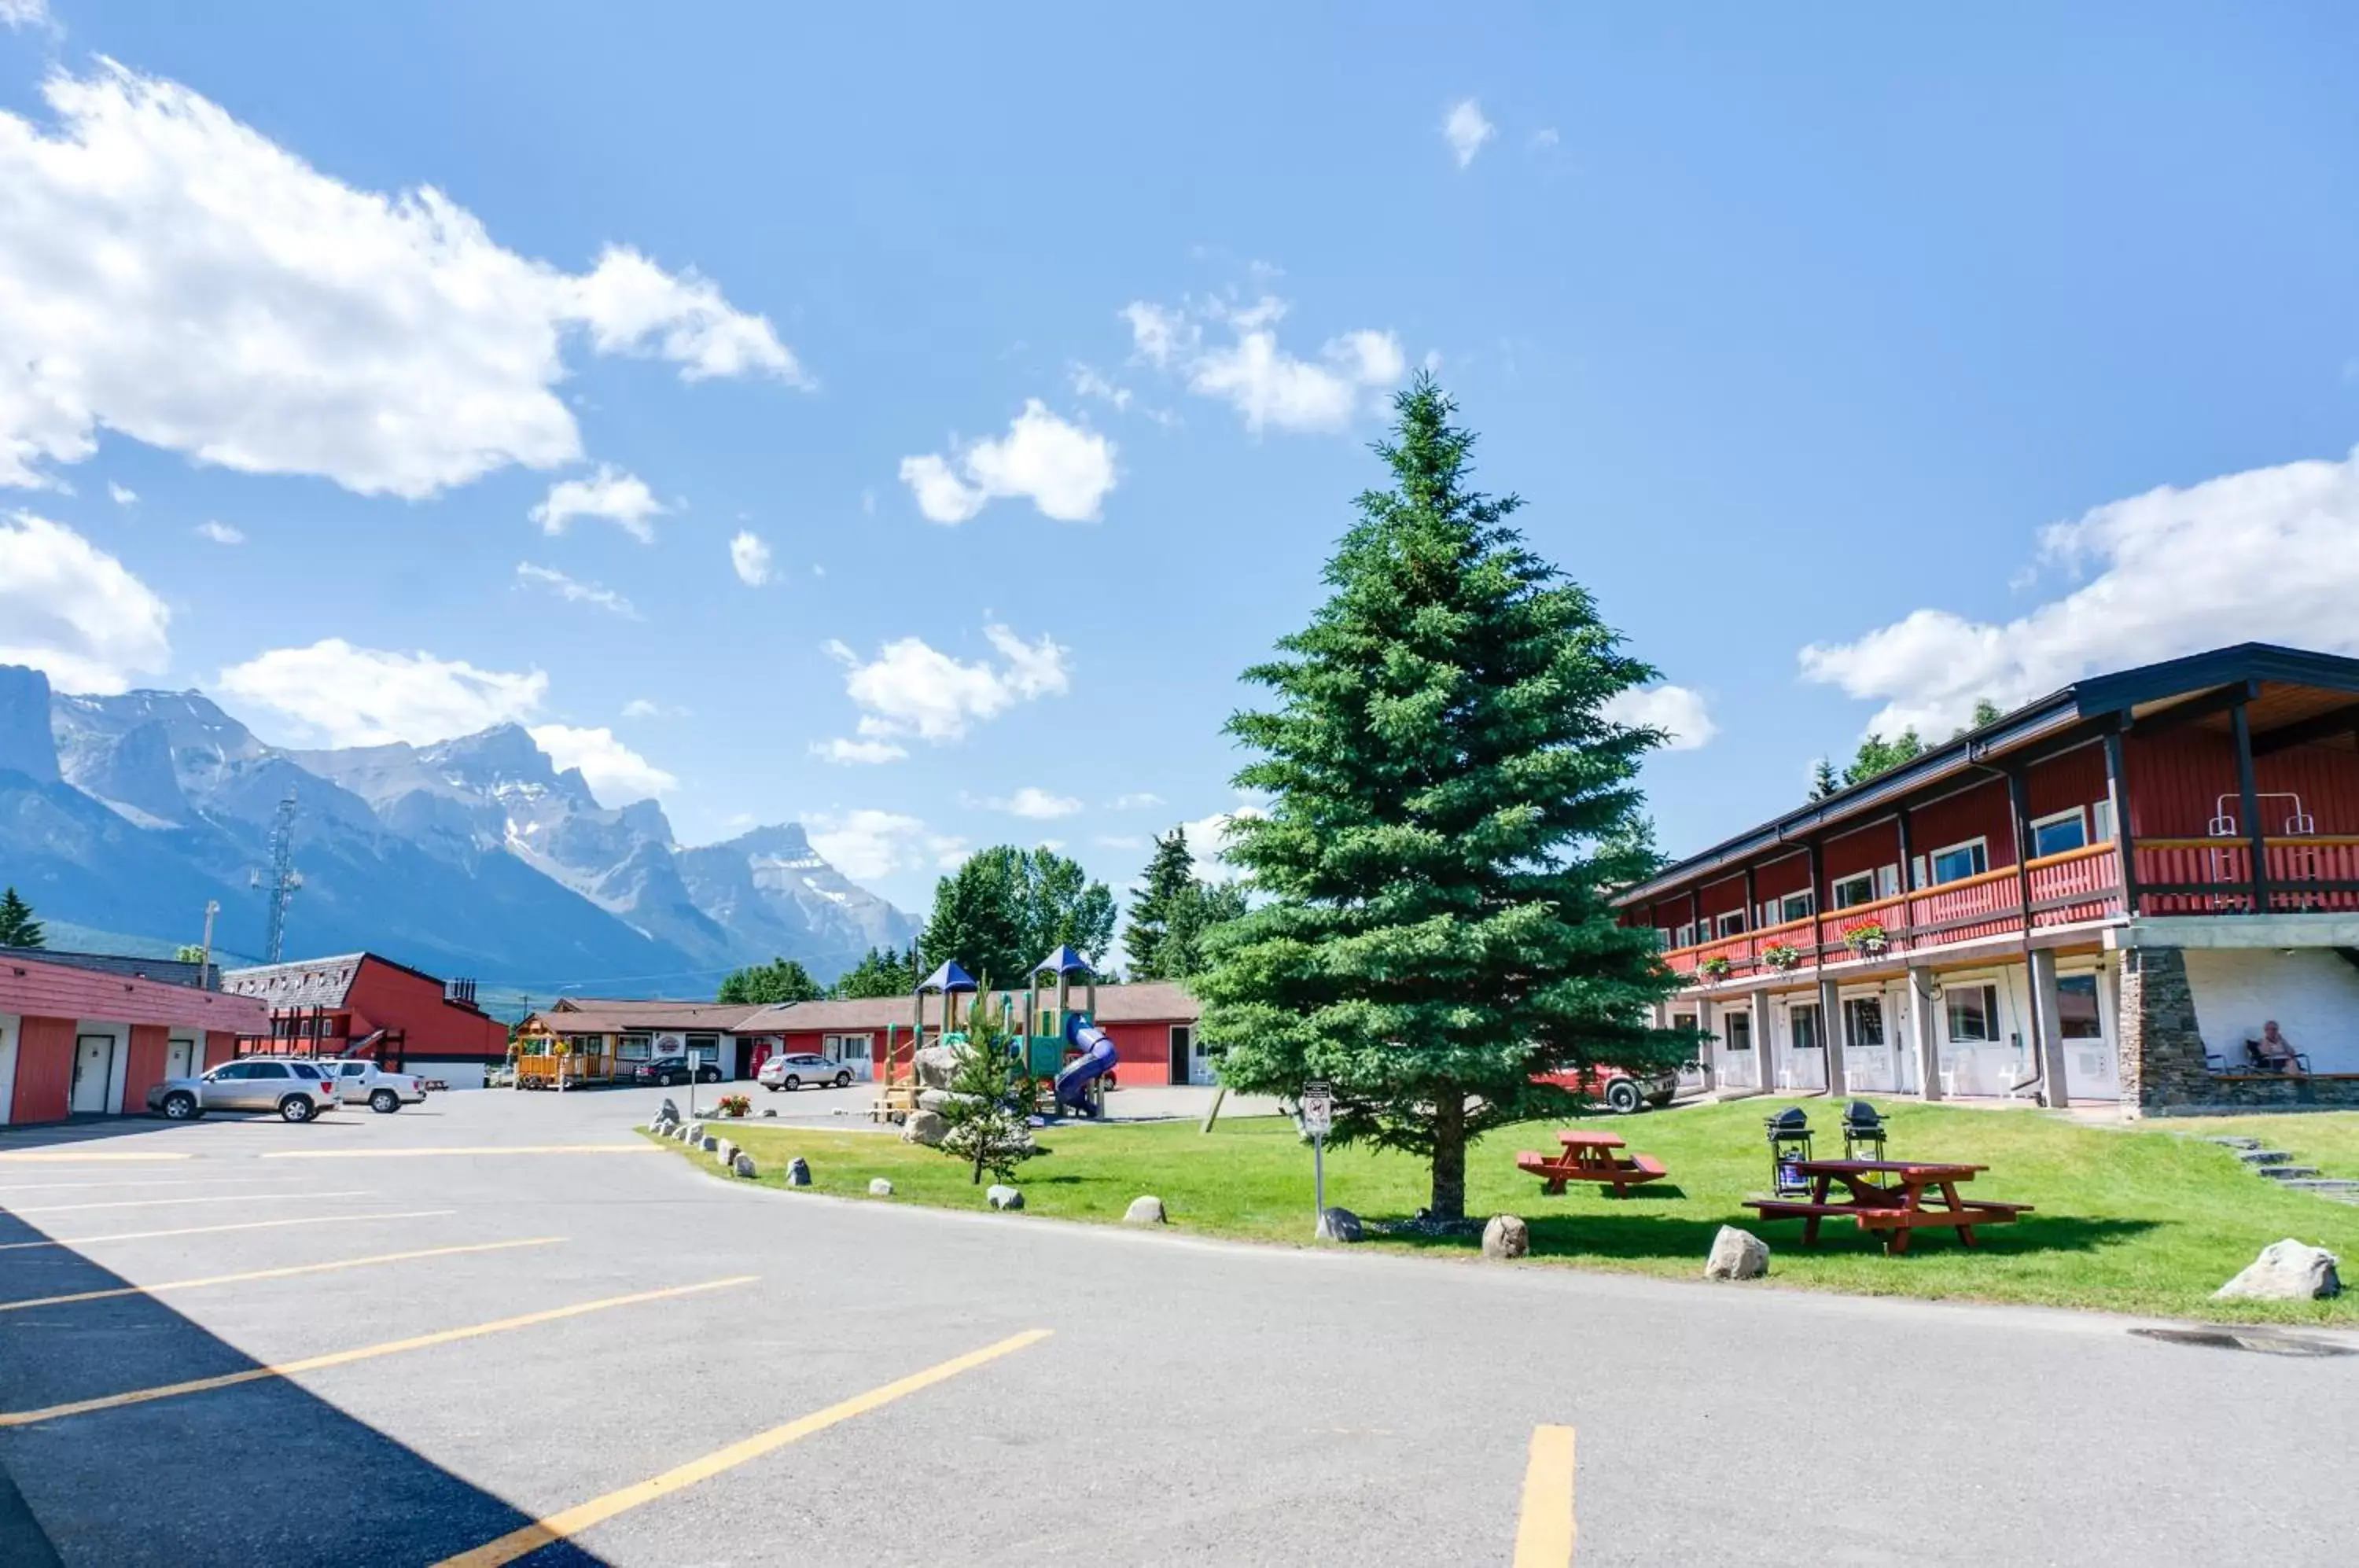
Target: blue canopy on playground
948,978
1064,961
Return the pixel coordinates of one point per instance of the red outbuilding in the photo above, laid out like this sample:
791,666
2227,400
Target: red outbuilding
90,1033
1152,1025
359,1004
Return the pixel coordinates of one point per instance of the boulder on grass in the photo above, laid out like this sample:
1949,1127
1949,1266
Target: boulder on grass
744,1165
726,1154
935,1066
1736,1255
926,1127
880,1188
769,1110
1506,1237
668,1111
708,1143
1339,1225
798,1171
695,1132
2286,1271
1147,1210
1004,1197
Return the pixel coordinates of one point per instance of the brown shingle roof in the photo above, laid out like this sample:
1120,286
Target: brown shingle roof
595,1016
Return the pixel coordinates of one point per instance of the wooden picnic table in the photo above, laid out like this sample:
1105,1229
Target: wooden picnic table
1591,1157
1892,1196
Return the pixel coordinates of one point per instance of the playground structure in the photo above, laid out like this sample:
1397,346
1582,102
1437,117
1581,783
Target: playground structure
1060,1046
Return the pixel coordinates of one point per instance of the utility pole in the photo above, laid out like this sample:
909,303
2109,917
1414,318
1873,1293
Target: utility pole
284,877
205,953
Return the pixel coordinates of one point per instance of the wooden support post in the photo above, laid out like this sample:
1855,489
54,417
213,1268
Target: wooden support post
1765,1042
1818,905
2249,803
1908,887
1831,1039
2117,790
1708,1055
1924,1021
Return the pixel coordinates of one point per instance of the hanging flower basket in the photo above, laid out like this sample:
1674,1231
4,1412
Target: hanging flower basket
1714,968
1867,939
1779,956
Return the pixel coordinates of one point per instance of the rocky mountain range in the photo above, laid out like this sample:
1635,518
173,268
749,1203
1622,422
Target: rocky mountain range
474,856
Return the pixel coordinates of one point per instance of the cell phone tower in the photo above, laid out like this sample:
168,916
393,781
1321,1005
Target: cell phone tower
283,879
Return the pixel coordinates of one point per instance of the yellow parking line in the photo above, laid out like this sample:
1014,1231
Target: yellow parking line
275,1273
485,1149
165,1203
1544,1531
40,1156
215,1229
135,1182
557,1527
366,1352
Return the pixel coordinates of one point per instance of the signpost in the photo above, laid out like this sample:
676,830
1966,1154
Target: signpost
1318,1116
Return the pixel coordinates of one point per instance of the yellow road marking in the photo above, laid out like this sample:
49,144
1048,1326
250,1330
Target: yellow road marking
366,1352
485,1149
529,1539
165,1203
215,1230
1544,1532
275,1273
135,1182
35,1155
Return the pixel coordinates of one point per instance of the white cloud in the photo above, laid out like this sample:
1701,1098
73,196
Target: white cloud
1544,138
648,708
574,592
1090,382
854,753
1035,803
220,533
1208,836
70,609
1138,802
913,688
21,14
2265,554
1267,386
616,774
1065,469
342,695
1119,841
1677,710
1466,130
750,559
867,843
622,498
171,274
122,494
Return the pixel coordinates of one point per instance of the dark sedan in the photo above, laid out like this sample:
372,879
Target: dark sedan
670,1069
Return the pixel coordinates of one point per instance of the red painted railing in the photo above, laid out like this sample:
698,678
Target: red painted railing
2214,876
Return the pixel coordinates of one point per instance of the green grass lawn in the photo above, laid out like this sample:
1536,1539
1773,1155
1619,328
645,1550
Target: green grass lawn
2328,1139
2138,1221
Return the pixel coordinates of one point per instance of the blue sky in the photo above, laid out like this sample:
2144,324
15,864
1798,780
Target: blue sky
1842,353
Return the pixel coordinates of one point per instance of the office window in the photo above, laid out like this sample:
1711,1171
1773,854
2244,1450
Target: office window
1959,861
1859,889
1795,906
1802,1022
1973,1012
2076,1010
2054,835
1863,1020
1729,924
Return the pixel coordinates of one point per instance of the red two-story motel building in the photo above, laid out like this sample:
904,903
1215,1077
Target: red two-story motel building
2099,896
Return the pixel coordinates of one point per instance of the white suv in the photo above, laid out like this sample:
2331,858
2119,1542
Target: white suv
360,1083
298,1091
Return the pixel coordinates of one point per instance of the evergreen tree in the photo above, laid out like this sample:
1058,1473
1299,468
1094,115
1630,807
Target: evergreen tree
881,972
1823,781
1878,756
780,980
1449,811
1200,906
990,1125
1169,876
1985,713
18,926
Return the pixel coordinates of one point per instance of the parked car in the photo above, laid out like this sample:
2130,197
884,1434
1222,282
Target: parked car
298,1091
1617,1090
793,1072
359,1082
670,1069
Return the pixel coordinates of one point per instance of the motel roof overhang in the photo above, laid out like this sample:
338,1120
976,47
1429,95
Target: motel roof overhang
2293,697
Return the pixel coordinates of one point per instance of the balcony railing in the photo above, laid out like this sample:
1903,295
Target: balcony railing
2175,877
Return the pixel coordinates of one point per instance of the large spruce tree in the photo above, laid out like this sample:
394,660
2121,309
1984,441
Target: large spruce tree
1169,876
18,926
1450,808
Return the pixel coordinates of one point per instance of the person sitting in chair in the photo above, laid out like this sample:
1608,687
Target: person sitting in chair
2274,1052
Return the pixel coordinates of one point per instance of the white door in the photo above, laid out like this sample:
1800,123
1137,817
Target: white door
94,1065
2090,1069
179,1058
1199,1056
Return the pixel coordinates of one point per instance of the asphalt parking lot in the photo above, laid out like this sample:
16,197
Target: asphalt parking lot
503,1328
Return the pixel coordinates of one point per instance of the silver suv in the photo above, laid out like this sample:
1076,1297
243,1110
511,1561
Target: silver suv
298,1091
359,1082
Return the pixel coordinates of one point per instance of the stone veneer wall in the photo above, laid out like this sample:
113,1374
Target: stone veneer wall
2162,1067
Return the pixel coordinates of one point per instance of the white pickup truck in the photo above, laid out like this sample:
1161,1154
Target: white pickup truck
357,1083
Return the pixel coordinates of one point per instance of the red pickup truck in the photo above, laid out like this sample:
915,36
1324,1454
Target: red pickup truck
1616,1089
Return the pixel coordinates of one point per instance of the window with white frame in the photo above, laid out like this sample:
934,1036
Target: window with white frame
1859,889
1972,1012
1684,937
1729,924
2055,834
2100,820
1802,1024
2076,1007
846,1047
1662,938
1959,862
1795,906
1863,1020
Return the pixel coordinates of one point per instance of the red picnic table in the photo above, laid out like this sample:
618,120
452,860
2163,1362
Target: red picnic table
1888,1195
1591,1157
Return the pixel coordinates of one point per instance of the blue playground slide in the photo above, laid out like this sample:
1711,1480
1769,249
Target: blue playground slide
1097,1061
